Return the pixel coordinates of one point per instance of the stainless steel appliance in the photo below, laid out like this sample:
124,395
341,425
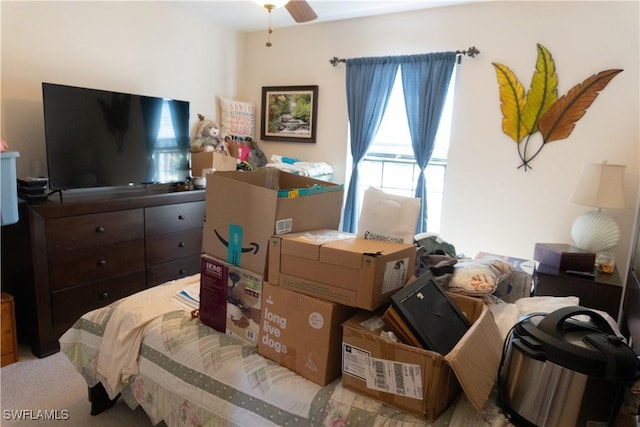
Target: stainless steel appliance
565,368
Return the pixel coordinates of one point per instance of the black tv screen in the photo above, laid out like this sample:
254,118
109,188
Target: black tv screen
101,138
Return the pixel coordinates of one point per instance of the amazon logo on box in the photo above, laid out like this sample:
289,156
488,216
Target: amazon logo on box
244,209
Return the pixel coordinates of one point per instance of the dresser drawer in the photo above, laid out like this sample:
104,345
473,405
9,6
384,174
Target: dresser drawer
92,264
8,342
171,218
68,305
173,270
6,326
84,231
6,306
168,247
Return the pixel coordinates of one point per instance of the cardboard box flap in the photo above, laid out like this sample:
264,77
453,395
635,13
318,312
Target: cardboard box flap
284,184
292,185
229,193
476,359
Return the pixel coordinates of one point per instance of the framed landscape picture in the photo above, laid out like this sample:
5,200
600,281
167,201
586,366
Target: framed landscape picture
289,113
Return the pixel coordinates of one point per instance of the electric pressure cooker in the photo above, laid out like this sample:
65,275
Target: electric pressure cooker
559,370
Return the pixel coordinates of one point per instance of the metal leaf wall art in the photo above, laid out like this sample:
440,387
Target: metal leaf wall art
540,110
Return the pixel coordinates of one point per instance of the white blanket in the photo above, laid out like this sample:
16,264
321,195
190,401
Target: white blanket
118,356
311,169
506,315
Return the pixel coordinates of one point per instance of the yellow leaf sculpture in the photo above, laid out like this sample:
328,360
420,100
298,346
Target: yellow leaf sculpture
540,109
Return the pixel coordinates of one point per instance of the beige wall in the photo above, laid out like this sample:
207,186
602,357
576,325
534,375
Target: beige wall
136,47
490,205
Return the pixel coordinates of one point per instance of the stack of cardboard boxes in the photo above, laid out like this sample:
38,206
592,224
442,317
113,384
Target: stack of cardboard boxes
309,296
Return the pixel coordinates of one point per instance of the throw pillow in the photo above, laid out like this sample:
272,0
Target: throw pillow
237,118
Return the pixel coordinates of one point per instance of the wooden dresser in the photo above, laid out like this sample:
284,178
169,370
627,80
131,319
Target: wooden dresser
9,344
88,252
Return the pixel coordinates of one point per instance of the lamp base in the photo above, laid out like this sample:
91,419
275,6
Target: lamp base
595,231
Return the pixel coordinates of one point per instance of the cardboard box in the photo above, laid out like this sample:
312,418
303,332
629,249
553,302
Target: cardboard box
555,258
429,380
302,333
211,160
304,244
230,299
244,209
340,267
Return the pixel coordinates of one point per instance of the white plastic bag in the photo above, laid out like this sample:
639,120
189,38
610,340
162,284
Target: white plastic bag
388,217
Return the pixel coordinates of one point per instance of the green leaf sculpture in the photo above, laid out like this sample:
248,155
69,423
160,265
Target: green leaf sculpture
540,109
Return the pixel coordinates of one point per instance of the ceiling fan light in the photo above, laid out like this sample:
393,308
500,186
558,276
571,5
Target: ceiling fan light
272,4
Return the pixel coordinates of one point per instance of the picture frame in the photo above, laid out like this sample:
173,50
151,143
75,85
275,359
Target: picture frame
289,113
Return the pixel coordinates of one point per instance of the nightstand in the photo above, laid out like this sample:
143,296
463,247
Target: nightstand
8,343
602,292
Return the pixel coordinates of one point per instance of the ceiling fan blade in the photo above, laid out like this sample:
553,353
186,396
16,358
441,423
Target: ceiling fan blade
301,11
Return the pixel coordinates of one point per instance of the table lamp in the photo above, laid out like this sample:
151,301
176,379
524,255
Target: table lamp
601,186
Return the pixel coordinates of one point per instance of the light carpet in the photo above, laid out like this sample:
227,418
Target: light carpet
49,391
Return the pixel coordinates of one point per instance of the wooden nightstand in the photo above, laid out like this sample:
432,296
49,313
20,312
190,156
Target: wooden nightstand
602,292
9,343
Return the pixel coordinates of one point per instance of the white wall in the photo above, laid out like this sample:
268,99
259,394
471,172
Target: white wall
490,204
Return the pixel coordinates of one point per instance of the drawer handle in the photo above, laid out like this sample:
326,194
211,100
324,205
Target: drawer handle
183,272
181,245
102,262
104,295
99,229
180,217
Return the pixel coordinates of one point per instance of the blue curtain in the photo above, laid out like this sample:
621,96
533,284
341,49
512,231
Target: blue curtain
369,84
425,81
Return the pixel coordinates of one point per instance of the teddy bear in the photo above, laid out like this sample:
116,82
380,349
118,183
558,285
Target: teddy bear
205,136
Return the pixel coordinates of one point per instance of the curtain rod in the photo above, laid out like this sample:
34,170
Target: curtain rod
471,52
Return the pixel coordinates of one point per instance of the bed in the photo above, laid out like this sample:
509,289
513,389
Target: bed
188,374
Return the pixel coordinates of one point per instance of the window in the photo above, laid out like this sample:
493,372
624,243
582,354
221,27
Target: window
390,164
166,155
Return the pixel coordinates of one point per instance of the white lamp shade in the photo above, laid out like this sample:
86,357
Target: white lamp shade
601,185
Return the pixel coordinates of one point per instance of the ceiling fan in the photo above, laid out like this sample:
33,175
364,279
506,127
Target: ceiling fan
300,11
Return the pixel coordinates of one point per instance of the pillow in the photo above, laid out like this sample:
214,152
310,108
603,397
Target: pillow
388,217
478,277
237,118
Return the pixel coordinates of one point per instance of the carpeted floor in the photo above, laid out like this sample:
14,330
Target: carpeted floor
34,389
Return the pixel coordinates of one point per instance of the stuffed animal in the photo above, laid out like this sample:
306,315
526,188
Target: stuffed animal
205,136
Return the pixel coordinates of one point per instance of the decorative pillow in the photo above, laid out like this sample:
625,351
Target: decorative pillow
478,277
237,118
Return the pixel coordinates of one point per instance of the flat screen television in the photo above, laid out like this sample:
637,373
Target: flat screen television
101,138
